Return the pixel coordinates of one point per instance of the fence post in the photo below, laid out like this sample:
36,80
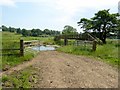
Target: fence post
21,48
94,45
65,40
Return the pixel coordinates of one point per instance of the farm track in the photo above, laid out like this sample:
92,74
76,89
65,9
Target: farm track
61,70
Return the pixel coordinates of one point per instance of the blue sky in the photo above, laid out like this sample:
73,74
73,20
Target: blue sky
51,14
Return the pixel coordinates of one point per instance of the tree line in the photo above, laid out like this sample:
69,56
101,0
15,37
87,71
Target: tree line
68,30
101,26
33,32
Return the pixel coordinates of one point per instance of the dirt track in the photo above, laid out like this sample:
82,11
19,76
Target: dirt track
60,70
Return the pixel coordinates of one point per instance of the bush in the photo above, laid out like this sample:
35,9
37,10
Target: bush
56,38
4,79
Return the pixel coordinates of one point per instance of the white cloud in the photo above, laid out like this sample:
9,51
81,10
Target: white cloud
75,5
7,3
68,8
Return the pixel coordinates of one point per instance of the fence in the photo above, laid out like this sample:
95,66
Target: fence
21,49
87,39
85,36
85,44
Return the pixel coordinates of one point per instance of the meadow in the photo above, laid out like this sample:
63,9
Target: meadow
107,53
11,41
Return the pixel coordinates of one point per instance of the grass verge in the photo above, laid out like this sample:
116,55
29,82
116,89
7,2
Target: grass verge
11,41
107,53
22,79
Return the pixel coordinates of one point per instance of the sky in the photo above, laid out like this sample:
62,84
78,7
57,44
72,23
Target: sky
51,14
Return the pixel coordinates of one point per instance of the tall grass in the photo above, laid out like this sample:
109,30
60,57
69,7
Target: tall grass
46,40
22,79
12,41
107,53
18,79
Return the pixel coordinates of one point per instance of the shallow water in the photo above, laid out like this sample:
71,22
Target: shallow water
43,48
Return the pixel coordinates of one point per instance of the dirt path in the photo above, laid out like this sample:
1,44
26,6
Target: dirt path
60,70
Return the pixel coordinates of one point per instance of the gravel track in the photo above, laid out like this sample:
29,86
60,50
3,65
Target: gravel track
61,70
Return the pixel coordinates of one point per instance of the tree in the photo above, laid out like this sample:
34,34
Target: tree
18,30
86,24
47,32
40,31
4,28
118,29
69,30
25,32
103,22
34,32
11,29
54,33
57,32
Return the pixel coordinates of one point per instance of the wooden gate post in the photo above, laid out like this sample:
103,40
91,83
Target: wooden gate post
21,48
65,41
94,45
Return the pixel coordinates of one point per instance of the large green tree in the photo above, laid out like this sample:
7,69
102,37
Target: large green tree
103,22
69,30
85,24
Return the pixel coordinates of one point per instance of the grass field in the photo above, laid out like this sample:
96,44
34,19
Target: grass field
25,78
11,41
107,53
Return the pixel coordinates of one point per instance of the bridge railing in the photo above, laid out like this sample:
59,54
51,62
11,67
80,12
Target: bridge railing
78,37
83,37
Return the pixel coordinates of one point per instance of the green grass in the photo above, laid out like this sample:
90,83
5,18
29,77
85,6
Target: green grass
11,41
16,79
21,79
45,40
61,42
6,36
10,61
107,53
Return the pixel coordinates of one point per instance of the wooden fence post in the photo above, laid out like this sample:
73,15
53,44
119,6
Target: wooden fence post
94,45
65,41
21,48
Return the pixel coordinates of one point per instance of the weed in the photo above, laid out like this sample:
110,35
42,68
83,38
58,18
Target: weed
4,79
11,41
18,79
